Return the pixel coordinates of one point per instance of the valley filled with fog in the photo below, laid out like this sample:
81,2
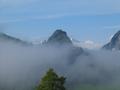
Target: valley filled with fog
23,65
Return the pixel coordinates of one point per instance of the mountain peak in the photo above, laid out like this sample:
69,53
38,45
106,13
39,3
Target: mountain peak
114,44
59,31
59,37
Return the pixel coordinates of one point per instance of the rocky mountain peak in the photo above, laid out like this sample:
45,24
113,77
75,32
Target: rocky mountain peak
59,37
114,44
116,38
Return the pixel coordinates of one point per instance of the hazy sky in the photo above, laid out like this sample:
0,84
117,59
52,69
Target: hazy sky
94,20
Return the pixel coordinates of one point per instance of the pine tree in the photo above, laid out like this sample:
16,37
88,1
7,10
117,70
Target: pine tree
51,81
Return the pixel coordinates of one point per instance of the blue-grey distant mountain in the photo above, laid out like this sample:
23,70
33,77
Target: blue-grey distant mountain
7,38
59,37
114,44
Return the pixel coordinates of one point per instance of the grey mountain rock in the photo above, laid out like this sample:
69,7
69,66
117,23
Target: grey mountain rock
59,37
7,38
114,44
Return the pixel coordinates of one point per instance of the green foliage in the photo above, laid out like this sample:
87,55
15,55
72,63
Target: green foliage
51,81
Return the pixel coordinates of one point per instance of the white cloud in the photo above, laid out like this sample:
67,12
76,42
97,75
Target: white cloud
91,45
87,44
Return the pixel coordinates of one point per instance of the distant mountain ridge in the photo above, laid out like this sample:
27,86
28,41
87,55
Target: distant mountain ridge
7,38
60,37
114,44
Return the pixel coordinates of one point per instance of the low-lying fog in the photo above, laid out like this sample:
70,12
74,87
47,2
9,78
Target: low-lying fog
21,67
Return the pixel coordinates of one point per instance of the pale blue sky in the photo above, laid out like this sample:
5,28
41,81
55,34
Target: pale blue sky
94,20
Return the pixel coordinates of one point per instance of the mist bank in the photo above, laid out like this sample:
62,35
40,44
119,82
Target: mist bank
22,67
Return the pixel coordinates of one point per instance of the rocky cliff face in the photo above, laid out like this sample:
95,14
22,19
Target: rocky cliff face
114,44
